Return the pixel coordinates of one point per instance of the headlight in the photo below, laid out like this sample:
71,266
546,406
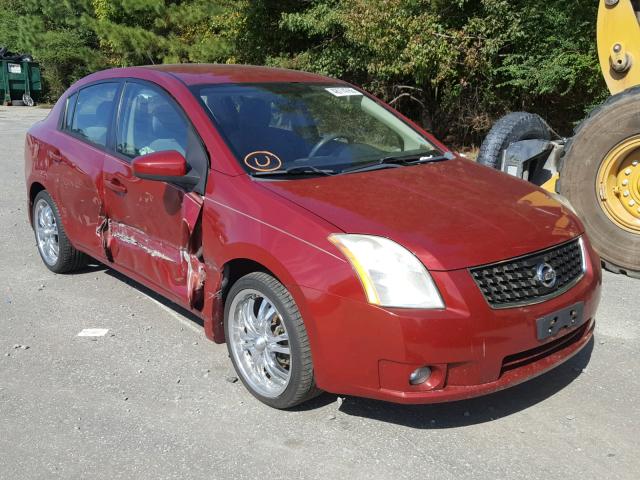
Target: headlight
390,274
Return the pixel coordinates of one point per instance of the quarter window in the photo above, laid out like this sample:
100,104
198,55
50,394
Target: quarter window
92,113
71,106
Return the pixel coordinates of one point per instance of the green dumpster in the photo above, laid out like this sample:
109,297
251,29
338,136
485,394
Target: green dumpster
20,81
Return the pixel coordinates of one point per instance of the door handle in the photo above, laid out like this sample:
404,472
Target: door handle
115,185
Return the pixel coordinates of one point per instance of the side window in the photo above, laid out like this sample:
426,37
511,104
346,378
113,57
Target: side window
150,121
70,107
92,113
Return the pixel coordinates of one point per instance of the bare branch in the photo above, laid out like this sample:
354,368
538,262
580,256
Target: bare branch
411,97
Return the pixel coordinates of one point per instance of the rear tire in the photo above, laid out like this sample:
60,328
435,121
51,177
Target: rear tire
511,128
609,126
54,247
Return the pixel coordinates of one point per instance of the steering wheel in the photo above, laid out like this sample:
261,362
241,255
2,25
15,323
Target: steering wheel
326,139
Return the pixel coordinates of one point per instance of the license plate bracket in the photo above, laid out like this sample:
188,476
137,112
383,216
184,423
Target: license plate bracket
569,317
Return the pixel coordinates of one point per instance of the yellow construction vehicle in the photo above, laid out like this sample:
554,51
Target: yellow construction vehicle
598,169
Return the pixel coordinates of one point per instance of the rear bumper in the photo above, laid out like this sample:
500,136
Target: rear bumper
472,350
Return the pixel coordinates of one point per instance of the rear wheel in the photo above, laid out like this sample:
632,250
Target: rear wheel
601,178
54,247
267,341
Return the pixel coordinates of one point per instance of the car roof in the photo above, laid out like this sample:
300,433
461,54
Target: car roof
203,73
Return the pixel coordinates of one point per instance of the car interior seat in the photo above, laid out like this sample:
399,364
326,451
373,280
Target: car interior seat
255,133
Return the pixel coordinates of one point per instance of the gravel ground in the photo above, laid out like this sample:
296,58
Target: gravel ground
153,398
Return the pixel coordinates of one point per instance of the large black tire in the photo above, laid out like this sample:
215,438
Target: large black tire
301,386
606,127
513,127
69,259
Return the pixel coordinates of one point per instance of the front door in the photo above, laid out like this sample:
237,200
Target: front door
151,227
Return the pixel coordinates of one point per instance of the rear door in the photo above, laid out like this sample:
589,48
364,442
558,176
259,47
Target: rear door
152,227
76,158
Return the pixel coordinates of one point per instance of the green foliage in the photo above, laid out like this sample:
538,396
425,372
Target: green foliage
48,30
453,65
72,38
157,31
554,71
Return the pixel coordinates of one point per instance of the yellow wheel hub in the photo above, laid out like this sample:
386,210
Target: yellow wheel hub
618,185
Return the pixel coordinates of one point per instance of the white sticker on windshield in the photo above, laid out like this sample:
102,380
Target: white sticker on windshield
342,91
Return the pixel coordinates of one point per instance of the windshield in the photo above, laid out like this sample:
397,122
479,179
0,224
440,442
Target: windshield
314,128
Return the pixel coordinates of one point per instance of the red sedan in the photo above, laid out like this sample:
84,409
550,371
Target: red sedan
329,241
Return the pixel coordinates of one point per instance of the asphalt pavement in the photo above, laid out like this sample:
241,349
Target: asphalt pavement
153,399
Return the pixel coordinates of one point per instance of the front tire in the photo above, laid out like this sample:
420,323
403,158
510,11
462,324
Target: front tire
54,247
601,179
267,341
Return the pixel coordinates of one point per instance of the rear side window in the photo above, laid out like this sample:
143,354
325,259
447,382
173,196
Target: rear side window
92,113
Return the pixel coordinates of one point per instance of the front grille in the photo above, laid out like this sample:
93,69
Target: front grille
518,281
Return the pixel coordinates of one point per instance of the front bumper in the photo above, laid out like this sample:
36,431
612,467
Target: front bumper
368,351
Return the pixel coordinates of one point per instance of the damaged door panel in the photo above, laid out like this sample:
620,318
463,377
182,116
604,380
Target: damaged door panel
151,225
153,229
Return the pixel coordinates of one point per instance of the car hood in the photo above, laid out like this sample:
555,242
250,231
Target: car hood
452,214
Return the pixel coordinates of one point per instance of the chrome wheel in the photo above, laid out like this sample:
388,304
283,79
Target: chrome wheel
46,232
259,343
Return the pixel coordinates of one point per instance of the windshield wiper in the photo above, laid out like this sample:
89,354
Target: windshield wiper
419,158
401,160
299,170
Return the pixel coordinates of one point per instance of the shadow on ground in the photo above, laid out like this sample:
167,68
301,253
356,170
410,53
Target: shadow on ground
476,410
436,416
92,267
154,295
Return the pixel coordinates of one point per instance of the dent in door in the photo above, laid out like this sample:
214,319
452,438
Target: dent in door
177,268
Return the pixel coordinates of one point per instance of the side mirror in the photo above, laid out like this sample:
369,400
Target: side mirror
167,166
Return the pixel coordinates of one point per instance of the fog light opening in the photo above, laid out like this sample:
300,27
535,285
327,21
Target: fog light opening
419,375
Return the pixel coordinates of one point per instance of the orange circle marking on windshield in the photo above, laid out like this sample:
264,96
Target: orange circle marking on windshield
262,161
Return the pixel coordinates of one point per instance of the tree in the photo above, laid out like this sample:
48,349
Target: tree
452,65
49,30
74,38
134,32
